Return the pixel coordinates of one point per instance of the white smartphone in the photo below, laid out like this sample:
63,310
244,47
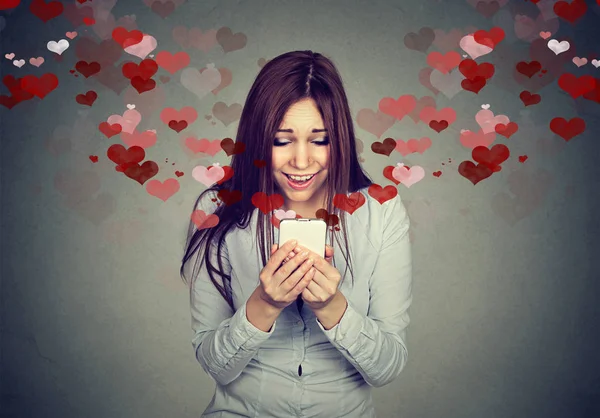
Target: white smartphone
309,232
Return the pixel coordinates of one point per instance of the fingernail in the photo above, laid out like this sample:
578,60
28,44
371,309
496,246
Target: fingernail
294,242
291,254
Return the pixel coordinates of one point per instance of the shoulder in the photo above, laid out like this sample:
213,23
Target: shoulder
378,220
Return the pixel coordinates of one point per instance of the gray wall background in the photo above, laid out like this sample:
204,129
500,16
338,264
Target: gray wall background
95,319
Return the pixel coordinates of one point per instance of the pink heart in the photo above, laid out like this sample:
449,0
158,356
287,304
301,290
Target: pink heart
129,121
545,35
470,139
188,114
9,56
206,176
474,49
36,61
579,61
71,35
142,49
487,121
282,214
203,145
413,145
144,139
163,190
408,177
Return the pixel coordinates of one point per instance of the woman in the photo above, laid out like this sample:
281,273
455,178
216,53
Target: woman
321,357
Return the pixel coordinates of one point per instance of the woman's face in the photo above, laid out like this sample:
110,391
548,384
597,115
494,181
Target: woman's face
297,150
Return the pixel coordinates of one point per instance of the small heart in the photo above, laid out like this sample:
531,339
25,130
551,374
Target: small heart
19,63
9,56
94,158
71,35
485,106
522,158
437,173
596,63
130,106
545,35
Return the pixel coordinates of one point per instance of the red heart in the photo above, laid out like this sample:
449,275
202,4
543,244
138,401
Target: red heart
506,130
349,203
387,173
142,85
110,130
489,39
178,126
576,86
528,68
127,38
529,99
146,69
39,86
522,158
438,126
178,173
437,173
567,129
46,11
473,84
93,158
203,221
491,157
385,148
330,219
570,11
141,173
229,197
230,148
267,203
87,69
471,69
118,154
382,194
474,173
9,4
87,99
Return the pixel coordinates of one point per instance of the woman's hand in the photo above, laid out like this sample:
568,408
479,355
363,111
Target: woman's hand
324,284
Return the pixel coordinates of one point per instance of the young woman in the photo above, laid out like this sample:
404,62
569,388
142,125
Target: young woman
322,356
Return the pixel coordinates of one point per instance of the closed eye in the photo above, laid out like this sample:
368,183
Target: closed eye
278,142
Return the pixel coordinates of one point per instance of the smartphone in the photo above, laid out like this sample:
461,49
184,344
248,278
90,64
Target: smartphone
309,232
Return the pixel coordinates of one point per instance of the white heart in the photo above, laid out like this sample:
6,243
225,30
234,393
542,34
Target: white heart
58,47
596,63
485,106
130,106
558,47
19,63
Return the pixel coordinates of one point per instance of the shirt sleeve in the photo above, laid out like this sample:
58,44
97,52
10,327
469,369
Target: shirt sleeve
376,344
224,342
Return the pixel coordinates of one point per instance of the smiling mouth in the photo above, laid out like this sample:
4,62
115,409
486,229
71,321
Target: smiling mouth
288,176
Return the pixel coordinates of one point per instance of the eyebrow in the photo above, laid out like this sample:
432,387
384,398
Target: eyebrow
292,131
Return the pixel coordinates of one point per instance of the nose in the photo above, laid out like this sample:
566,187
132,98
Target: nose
301,158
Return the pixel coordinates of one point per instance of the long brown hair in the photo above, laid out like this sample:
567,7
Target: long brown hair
286,79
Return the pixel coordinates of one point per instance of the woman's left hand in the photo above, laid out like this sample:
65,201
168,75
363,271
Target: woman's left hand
324,284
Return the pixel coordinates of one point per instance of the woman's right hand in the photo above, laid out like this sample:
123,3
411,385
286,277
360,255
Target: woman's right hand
282,283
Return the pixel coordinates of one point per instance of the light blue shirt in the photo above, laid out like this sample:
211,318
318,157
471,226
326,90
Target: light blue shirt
257,372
